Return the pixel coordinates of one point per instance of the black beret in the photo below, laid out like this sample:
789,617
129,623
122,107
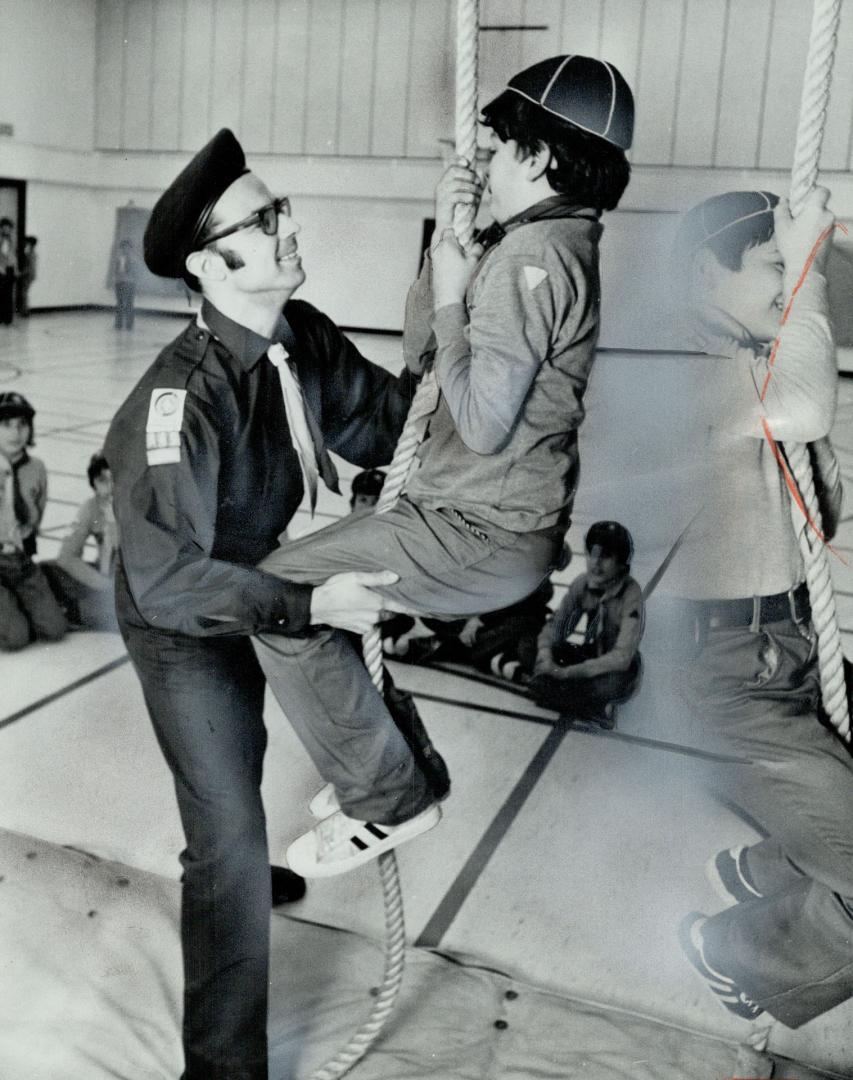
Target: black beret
589,93
746,211
181,213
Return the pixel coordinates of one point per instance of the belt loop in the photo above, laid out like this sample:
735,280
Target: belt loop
755,625
792,604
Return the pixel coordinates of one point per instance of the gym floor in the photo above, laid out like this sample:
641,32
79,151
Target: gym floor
563,863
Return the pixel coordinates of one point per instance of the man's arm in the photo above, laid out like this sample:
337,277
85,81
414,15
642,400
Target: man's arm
166,517
361,407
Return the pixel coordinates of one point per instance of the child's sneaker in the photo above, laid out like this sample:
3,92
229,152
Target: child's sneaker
339,843
728,875
728,993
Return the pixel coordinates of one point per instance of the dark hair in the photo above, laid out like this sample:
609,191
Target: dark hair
728,225
370,482
97,465
585,166
6,221
31,240
613,539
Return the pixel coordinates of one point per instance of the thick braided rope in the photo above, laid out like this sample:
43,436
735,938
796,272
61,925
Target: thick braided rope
426,399
423,406
467,113
386,997
810,129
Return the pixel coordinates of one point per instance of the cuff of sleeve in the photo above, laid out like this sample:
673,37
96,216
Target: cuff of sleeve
449,322
290,610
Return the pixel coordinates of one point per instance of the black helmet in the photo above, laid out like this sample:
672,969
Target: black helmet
369,482
613,539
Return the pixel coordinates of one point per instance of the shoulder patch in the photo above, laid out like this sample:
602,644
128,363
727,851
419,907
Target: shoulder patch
534,275
163,428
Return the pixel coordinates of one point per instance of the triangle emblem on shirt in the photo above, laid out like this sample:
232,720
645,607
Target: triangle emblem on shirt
535,275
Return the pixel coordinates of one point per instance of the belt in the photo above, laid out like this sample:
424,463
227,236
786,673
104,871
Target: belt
756,610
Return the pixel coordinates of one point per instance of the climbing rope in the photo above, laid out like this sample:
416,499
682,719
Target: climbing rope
423,406
810,129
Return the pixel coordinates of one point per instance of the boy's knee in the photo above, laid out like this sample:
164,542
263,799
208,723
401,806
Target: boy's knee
14,638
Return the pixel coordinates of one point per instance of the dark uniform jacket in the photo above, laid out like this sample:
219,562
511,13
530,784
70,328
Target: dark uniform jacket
206,477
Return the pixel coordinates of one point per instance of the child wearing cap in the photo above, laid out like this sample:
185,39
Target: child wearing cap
28,609
86,587
510,329
588,679
782,945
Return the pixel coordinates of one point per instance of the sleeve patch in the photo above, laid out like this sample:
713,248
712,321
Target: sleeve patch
163,428
534,275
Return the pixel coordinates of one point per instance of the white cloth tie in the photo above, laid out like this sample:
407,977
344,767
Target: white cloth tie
294,406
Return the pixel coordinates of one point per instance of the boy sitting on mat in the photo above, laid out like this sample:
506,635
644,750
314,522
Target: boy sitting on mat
511,329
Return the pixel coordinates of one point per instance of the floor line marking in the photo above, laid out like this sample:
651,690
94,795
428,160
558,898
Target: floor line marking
48,699
443,916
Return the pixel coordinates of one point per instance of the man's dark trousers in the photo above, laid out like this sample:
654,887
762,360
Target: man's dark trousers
205,697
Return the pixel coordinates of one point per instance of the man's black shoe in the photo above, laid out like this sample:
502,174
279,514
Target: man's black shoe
286,886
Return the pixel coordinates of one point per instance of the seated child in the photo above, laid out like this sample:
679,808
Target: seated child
751,680
512,333
28,609
84,588
588,679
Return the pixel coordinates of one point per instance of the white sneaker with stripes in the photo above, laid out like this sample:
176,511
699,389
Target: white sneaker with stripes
339,843
324,803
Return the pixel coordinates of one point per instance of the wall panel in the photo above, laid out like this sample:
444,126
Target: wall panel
290,78
393,62
699,83
167,74
357,84
743,81
325,60
431,81
109,74
228,72
138,71
717,82
197,74
656,83
255,113
789,35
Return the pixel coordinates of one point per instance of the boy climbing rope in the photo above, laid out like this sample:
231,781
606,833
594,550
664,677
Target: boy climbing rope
511,329
782,946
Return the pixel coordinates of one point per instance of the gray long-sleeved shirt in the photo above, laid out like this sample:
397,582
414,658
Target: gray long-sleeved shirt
512,364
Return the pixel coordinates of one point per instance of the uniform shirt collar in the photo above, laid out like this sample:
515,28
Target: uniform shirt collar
244,344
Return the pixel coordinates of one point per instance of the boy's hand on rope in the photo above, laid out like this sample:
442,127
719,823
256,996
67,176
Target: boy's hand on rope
347,602
458,186
452,269
796,236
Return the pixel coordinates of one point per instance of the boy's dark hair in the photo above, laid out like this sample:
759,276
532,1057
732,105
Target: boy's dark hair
586,167
31,240
729,225
97,465
613,539
7,222
13,404
369,482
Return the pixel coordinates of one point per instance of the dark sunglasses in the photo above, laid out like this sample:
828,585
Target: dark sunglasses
266,217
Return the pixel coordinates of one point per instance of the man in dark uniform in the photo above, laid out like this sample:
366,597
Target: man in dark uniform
208,460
